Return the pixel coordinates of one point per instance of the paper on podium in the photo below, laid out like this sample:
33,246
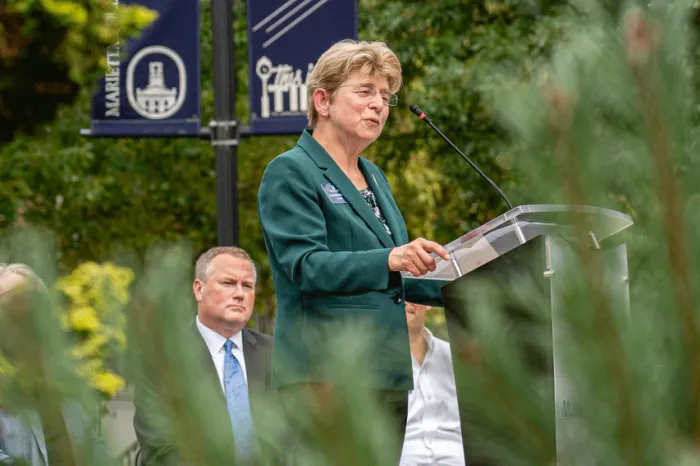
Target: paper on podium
470,253
517,226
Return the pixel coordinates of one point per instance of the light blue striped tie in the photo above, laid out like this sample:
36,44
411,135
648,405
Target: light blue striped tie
238,403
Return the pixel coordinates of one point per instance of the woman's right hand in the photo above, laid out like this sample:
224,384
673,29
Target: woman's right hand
415,257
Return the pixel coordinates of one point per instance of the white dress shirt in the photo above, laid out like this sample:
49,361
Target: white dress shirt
215,343
433,432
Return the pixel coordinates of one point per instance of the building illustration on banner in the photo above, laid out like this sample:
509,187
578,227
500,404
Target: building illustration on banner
152,82
283,88
154,100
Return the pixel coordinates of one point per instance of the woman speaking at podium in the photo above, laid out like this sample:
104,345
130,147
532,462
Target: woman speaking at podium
336,239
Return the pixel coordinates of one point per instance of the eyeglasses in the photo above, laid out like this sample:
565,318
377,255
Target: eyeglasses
367,93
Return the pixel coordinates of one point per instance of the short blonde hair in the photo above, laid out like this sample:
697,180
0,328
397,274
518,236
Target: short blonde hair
345,58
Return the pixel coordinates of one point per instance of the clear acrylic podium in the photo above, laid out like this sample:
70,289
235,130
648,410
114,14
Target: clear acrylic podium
534,243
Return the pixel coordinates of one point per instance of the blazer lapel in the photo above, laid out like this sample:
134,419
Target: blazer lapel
351,194
206,358
386,204
254,360
358,204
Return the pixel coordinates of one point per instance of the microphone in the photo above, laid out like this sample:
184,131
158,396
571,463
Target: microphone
415,109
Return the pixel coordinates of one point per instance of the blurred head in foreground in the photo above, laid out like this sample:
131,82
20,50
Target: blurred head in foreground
23,295
17,277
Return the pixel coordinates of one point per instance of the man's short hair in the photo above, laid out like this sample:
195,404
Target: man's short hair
203,266
24,271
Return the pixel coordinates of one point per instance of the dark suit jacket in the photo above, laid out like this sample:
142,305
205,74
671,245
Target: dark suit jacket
155,448
329,257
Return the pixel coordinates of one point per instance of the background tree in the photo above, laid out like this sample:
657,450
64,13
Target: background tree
450,51
49,49
611,121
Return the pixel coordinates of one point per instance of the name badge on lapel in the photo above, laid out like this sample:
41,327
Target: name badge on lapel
334,194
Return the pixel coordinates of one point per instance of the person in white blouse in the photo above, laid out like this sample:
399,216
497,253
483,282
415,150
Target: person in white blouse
433,433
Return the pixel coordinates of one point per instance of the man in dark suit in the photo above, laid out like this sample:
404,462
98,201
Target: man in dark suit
239,358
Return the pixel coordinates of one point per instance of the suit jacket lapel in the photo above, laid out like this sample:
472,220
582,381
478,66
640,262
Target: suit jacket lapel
351,194
254,360
207,360
386,203
358,204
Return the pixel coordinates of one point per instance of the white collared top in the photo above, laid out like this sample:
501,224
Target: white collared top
433,432
215,343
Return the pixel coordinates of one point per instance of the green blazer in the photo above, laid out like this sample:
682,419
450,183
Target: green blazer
329,257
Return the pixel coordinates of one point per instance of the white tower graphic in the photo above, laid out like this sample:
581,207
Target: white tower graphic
155,101
156,98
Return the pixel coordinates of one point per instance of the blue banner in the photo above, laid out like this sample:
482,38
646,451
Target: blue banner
285,38
155,91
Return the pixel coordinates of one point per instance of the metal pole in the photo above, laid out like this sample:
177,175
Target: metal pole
224,129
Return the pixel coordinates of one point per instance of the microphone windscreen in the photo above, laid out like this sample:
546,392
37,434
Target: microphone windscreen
415,109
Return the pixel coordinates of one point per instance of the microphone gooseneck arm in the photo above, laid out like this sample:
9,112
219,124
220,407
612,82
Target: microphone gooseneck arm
415,109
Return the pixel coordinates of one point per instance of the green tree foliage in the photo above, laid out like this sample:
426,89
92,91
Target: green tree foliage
450,51
50,48
610,123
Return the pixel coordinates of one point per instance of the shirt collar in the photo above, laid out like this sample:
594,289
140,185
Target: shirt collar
430,344
429,340
215,341
315,150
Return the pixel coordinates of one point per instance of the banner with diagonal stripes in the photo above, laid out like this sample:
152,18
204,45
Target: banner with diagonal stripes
285,38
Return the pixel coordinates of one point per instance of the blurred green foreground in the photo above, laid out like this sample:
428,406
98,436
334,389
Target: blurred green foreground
611,121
